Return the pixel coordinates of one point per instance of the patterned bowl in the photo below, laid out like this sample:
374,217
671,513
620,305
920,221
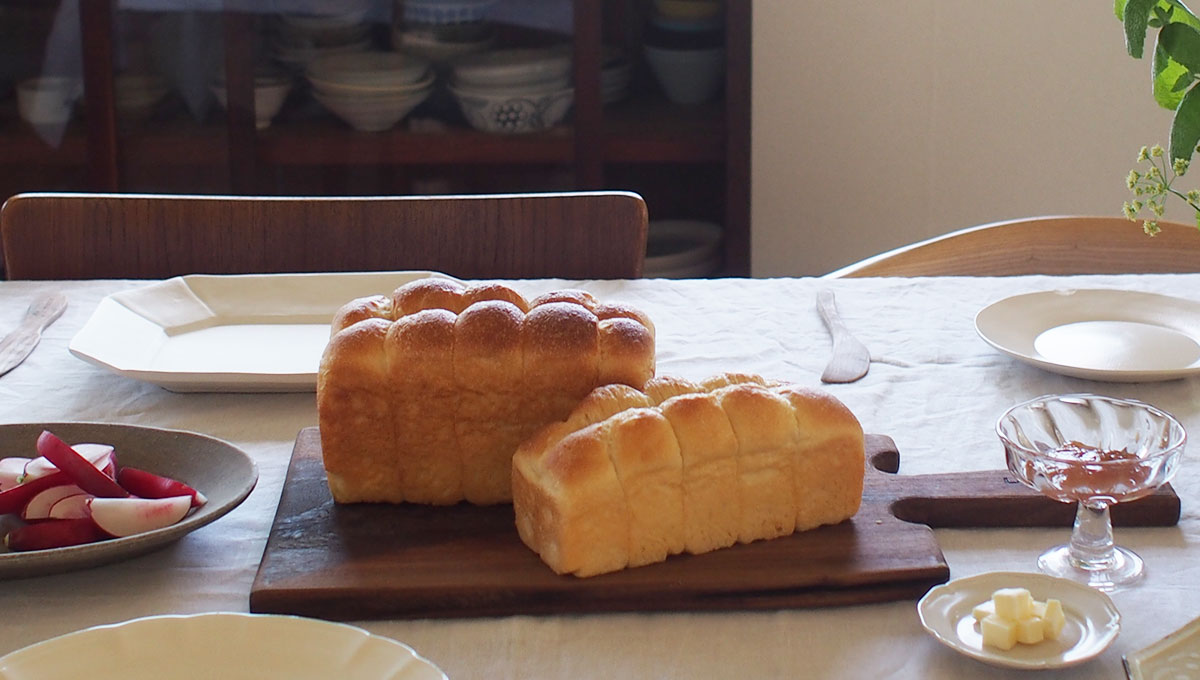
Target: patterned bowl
513,112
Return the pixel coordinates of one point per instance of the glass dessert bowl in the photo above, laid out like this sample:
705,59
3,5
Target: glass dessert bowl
1094,451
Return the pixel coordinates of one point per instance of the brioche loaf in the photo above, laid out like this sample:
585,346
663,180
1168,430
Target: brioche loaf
424,396
631,477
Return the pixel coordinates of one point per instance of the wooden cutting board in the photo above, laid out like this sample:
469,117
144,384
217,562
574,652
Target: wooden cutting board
403,561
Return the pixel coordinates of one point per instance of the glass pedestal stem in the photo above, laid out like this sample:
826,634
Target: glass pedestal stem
1092,537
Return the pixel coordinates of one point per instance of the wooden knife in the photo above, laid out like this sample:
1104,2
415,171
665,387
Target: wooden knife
851,359
18,344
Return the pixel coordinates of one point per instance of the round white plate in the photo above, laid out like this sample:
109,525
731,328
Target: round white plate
219,645
1099,334
1092,619
217,469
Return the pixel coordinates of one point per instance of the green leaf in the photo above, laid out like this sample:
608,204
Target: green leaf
1137,14
1180,5
1185,129
1181,14
1119,9
1167,73
1182,43
1184,81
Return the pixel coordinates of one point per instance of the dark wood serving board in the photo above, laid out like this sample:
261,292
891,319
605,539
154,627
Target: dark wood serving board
404,561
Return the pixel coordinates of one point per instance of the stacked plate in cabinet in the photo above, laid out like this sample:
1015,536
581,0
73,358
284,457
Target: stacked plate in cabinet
137,95
616,72
271,87
685,48
514,90
682,249
298,39
370,91
441,30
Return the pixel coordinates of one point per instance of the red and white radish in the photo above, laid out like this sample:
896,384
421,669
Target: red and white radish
13,500
72,507
70,495
39,506
101,457
149,485
53,533
12,471
81,471
127,516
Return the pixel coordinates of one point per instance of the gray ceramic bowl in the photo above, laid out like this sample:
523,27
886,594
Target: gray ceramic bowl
219,470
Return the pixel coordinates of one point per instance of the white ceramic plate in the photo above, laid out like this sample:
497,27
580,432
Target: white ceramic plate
1115,335
217,469
1093,621
1175,656
219,645
251,333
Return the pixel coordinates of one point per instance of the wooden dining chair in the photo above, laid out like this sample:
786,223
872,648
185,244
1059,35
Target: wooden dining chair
585,235
1041,245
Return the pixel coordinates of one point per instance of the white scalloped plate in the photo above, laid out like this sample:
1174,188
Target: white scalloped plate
237,333
229,646
1093,621
1097,334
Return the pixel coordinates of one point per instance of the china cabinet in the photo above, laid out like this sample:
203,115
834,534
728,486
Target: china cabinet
689,161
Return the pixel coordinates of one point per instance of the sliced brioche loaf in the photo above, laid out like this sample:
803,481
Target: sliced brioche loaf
632,477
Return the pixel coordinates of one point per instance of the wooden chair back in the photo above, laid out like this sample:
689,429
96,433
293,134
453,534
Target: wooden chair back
586,235
1041,245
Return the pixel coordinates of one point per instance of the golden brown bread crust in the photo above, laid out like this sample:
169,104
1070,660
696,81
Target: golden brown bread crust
699,466
424,395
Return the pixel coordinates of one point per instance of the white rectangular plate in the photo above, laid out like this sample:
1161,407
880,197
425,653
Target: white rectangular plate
244,333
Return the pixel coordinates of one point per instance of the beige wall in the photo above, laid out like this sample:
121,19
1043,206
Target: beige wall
902,119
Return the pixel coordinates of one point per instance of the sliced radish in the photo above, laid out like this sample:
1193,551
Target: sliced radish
101,457
72,507
149,485
39,506
81,471
53,533
128,516
37,467
13,500
11,471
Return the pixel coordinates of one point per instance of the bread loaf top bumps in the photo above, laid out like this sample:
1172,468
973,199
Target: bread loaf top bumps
631,477
423,396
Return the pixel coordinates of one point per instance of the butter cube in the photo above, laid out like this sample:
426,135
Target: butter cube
998,632
1054,619
1013,603
983,610
1031,631
1039,609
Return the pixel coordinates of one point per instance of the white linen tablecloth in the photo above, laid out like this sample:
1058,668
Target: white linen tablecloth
935,387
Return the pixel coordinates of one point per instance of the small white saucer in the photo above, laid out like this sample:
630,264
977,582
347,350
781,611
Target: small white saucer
1093,621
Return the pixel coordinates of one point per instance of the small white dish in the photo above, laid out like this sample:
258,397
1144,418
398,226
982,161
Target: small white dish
215,468
232,646
1098,334
1093,621
237,333
1175,656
